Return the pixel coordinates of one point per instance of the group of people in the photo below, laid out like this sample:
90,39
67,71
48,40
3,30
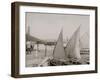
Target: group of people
29,47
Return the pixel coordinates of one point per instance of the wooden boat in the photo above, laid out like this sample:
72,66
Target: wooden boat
72,48
68,55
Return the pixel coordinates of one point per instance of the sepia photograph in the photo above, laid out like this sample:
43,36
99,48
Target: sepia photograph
53,39
56,39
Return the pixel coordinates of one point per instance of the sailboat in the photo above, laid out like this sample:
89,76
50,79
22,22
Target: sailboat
59,52
72,48
61,55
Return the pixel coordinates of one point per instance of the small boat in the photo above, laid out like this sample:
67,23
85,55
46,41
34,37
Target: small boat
70,54
59,52
72,48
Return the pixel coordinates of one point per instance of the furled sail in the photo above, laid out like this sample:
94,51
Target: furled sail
59,52
72,48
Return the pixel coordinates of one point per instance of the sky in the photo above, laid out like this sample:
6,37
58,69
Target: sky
47,26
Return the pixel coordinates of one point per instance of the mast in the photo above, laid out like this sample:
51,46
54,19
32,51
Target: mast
28,30
28,33
59,52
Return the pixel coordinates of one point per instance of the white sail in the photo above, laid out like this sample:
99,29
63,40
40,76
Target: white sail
73,47
59,52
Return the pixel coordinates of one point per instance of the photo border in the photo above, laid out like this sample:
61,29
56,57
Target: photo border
15,32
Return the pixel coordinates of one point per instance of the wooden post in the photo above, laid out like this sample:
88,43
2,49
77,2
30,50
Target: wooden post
45,50
37,47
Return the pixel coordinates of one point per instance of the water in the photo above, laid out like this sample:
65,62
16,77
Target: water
36,57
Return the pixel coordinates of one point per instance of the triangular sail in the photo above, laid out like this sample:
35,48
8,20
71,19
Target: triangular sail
73,48
59,52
